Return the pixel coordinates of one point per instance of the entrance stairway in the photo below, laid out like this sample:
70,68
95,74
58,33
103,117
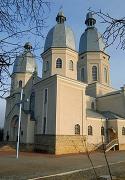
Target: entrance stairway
107,147
111,145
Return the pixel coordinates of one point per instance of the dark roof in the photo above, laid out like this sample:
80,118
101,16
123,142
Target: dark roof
111,115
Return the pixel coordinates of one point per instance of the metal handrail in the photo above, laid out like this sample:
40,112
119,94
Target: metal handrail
112,143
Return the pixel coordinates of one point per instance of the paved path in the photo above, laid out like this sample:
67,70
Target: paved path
30,165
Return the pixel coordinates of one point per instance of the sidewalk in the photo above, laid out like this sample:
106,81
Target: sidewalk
30,165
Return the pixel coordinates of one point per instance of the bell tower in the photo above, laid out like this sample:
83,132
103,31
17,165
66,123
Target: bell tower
93,63
24,67
60,56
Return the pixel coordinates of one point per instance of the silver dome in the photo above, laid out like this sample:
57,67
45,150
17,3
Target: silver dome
25,62
91,39
60,35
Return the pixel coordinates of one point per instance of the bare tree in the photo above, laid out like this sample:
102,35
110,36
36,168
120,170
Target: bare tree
18,18
114,29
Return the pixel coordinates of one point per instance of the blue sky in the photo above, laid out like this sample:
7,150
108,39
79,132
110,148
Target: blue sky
75,11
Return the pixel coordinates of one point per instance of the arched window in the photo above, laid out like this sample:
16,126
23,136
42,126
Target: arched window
15,121
77,129
123,131
102,131
14,128
46,66
58,63
44,125
71,65
90,130
82,75
92,105
32,104
45,96
94,73
20,84
105,75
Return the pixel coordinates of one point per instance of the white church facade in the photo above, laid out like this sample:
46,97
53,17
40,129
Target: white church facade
73,106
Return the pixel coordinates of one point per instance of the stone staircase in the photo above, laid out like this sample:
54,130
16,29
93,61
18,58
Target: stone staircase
111,144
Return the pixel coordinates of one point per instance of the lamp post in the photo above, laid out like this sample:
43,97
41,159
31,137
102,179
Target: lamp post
18,135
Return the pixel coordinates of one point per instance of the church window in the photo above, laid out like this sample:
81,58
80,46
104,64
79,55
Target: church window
77,129
102,131
21,133
46,96
14,128
44,125
90,23
90,130
94,73
123,131
82,74
58,63
92,105
71,65
46,66
15,121
105,75
20,84
32,103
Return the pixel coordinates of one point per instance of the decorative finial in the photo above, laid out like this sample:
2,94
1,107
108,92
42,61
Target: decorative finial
90,21
60,17
28,46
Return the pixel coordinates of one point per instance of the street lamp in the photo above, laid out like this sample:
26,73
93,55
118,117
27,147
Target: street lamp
18,135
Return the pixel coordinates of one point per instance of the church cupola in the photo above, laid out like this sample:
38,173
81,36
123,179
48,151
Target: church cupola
25,62
23,69
60,35
60,56
60,18
93,63
90,21
91,40
28,47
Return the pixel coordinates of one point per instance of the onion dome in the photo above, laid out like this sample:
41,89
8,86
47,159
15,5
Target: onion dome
26,61
60,35
91,39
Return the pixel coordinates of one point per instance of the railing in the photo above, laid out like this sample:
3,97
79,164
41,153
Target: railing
111,144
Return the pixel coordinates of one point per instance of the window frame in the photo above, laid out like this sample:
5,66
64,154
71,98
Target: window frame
105,75
123,131
32,104
59,63
92,105
77,129
46,66
90,130
71,65
45,95
102,131
94,73
44,125
82,74
20,83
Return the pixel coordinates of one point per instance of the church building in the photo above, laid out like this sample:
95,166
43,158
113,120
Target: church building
73,107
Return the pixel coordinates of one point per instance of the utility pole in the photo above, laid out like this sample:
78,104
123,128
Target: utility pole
18,135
